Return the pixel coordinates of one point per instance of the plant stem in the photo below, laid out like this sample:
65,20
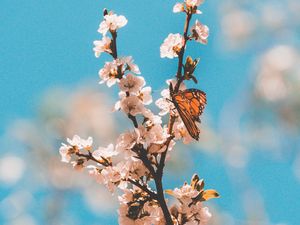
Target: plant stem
159,172
181,53
114,44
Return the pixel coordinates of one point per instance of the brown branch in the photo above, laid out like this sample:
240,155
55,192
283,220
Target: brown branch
90,156
114,44
181,53
159,172
152,194
134,121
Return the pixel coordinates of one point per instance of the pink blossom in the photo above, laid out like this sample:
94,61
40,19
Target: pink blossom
102,46
132,83
126,141
171,46
200,32
185,193
112,22
131,105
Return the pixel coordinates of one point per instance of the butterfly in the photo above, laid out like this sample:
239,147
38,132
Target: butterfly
190,104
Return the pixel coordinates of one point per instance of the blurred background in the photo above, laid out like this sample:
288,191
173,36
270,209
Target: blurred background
249,148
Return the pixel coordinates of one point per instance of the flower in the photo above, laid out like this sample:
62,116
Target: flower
131,105
193,3
178,7
113,71
127,60
126,141
200,32
112,22
145,95
185,193
80,143
131,83
109,73
171,46
102,46
180,131
107,152
65,153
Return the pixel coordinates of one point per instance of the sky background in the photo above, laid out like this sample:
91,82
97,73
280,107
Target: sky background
45,44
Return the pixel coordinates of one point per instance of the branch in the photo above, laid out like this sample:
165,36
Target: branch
152,194
90,156
181,53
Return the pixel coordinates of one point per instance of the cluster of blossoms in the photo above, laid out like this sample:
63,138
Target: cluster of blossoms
136,162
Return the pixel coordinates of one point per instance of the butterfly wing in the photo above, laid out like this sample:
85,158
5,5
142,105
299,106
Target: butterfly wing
190,105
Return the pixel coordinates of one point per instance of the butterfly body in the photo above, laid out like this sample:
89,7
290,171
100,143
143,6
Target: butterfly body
190,104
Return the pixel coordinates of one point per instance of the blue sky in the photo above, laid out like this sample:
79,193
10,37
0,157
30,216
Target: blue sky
44,44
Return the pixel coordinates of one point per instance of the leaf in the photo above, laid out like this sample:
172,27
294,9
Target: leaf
169,192
194,181
208,194
200,185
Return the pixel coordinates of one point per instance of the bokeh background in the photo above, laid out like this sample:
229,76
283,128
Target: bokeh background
250,70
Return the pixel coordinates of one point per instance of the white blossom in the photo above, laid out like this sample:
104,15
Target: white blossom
145,95
102,46
178,7
132,83
112,22
109,73
107,152
180,132
80,143
200,32
64,151
193,3
171,46
127,60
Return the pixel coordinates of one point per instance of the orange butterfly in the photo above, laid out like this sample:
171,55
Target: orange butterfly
190,104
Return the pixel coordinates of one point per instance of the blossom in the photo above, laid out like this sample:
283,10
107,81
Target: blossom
109,73
203,213
145,95
180,131
185,193
65,153
112,22
193,3
131,105
102,46
171,46
126,141
131,83
128,61
148,135
113,71
165,103
107,152
178,7
151,118
200,32
81,143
